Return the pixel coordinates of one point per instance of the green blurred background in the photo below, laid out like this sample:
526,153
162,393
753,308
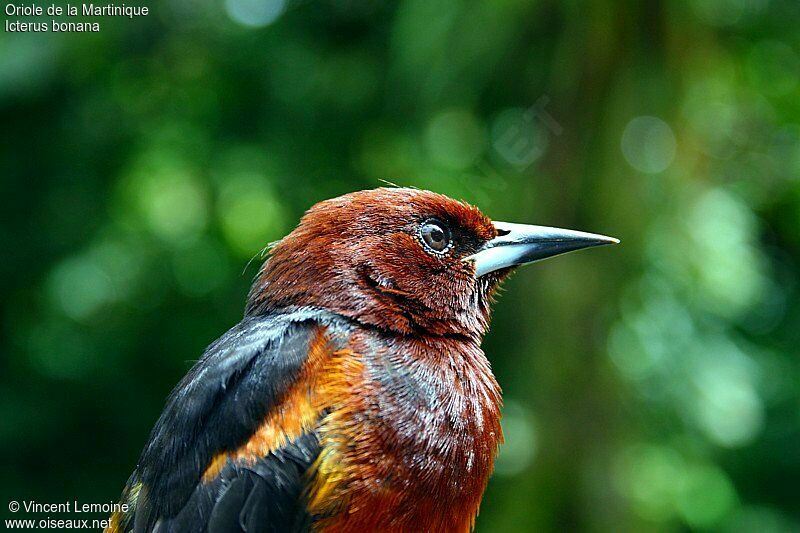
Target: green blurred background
653,386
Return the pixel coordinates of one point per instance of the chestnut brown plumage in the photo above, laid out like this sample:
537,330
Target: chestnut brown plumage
354,395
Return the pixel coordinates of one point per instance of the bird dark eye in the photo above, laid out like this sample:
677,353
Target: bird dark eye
435,236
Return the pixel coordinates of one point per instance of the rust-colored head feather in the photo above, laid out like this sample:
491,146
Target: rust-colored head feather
362,255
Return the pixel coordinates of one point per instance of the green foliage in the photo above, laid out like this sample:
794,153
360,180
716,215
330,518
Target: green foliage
652,386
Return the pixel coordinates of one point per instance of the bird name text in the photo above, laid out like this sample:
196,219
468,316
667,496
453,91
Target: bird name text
85,11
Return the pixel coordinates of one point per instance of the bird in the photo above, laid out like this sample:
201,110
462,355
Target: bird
354,395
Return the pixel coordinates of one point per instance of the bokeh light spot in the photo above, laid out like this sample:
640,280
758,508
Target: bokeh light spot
519,449
728,269
255,13
648,144
250,214
80,287
706,496
169,198
729,409
648,475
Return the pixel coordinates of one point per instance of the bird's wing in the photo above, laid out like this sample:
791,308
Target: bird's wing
233,443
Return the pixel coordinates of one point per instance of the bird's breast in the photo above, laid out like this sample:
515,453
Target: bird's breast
411,437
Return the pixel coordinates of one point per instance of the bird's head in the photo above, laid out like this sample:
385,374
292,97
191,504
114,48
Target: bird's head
403,260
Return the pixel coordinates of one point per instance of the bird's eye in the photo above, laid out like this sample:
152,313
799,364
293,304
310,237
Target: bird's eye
435,236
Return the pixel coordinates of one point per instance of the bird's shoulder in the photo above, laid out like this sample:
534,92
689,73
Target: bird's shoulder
237,433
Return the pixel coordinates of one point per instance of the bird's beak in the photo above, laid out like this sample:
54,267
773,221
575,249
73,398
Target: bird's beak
518,244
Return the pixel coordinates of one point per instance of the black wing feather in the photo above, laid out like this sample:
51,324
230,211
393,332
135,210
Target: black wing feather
216,407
